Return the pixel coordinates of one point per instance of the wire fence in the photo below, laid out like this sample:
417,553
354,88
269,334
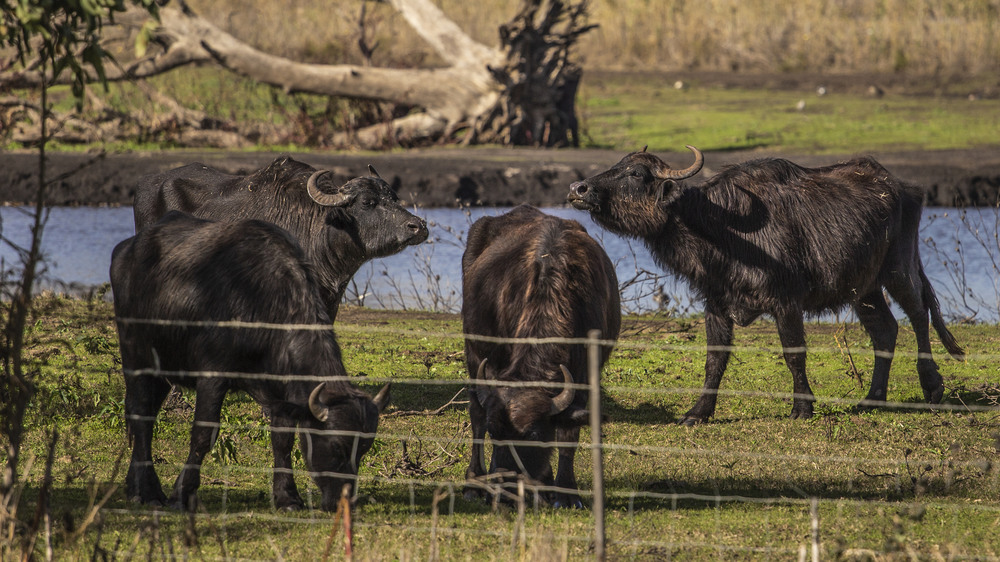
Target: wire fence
869,481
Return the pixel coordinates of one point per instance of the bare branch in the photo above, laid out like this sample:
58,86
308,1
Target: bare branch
450,42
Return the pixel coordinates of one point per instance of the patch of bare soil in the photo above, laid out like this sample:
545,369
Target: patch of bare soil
443,177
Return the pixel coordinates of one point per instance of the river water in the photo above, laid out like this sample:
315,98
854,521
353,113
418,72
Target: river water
959,249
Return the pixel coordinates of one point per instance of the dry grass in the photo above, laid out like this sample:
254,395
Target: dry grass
923,36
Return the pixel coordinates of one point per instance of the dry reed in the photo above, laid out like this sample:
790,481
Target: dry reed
946,37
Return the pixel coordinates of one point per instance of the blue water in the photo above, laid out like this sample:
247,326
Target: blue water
959,249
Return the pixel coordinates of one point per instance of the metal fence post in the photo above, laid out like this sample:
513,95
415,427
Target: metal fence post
596,451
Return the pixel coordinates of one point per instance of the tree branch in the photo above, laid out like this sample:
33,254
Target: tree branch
446,38
416,126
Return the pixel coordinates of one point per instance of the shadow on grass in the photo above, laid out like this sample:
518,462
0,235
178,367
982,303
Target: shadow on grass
418,397
956,400
710,493
641,413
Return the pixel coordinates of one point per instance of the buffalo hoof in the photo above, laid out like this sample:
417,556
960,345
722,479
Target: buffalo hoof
155,503
801,412
291,507
689,420
289,503
868,405
152,500
190,504
473,493
571,503
934,396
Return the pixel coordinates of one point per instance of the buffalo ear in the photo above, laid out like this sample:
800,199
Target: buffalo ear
576,417
667,191
579,417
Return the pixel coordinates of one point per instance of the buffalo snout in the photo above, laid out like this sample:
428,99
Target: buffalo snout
579,196
418,231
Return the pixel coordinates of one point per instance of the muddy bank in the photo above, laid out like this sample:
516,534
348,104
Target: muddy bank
474,176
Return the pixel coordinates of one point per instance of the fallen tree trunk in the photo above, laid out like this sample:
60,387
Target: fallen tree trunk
519,94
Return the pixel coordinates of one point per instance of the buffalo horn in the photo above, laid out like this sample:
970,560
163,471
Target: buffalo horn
668,174
481,370
325,199
318,409
564,398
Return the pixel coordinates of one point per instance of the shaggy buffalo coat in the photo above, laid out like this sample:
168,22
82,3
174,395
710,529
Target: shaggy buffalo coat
191,270
339,227
526,274
771,237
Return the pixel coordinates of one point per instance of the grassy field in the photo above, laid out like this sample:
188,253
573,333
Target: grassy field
901,482
626,112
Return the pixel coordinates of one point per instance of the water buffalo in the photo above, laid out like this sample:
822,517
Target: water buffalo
192,270
771,237
526,274
339,227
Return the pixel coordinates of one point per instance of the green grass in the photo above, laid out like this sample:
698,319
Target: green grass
633,111
618,111
898,480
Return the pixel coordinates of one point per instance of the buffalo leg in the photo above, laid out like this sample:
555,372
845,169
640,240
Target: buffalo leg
284,492
793,344
477,468
565,474
144,396
908,293
719,333
877,319
204,432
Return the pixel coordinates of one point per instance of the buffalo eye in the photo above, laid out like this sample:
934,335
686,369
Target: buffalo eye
635,173
368,202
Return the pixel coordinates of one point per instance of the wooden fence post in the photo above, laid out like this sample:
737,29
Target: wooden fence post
596,451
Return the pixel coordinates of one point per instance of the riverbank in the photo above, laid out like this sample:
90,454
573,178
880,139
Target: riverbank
446,176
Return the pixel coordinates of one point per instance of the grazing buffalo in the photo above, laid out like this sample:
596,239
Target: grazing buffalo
526,274
339,227
184,269
770,237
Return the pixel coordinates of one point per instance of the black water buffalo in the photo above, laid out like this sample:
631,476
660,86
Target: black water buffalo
770,237
188,269
339,227
526,274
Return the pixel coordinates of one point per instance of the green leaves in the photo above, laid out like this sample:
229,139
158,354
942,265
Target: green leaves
65,35
144,36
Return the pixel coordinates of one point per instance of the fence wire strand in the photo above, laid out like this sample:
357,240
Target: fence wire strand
517,535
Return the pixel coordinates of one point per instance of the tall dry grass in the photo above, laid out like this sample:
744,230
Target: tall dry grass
914,36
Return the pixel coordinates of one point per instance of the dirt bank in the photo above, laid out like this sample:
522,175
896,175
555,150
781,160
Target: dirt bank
477,176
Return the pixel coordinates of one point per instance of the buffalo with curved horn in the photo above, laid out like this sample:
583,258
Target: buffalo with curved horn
173,283
340,227
526,274
771,237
